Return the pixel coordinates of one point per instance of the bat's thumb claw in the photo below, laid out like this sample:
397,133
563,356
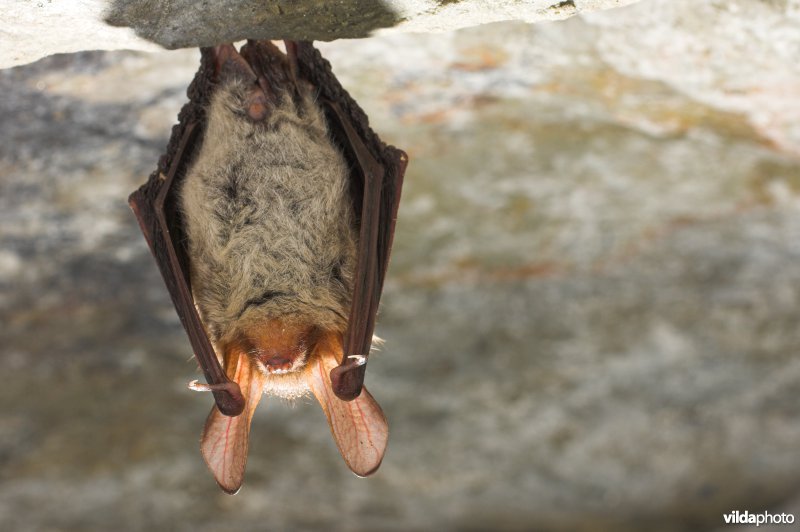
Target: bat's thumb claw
227,395
198,386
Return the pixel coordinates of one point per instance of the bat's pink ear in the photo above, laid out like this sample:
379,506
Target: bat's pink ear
225,439
358,426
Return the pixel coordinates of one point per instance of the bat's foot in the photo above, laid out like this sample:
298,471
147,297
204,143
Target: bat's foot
229,63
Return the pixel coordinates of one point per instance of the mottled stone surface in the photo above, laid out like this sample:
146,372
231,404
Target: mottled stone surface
31,29
591,315
187,23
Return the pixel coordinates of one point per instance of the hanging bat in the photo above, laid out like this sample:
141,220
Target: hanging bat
271,219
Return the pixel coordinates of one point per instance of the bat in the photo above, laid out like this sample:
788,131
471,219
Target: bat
271,218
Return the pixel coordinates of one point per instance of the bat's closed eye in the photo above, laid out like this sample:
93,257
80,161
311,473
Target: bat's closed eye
269,295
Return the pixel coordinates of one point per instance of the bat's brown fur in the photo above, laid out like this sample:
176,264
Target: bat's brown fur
269,219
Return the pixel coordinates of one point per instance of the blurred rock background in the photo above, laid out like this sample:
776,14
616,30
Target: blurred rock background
591,317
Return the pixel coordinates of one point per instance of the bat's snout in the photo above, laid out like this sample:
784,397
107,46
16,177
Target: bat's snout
278,346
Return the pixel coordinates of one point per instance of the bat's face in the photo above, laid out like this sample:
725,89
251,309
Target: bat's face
280,351
272,248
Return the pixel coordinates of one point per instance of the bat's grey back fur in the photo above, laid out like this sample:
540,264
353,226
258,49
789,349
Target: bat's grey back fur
269,218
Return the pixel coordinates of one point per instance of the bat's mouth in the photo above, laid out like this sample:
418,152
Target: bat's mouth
281,364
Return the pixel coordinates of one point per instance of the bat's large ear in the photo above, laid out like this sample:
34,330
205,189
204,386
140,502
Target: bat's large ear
358,427
225,439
